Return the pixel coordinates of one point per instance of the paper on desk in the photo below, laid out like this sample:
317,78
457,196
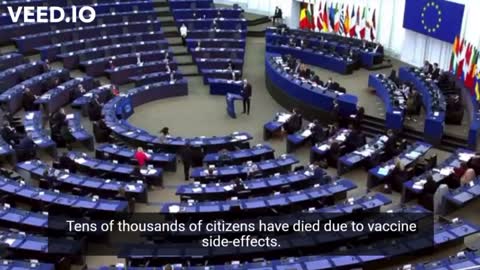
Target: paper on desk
383,171
324,147
130,187
29,116
70,116
306,133
241,137
9,241
174,209
196,189
465,157
282,118
446,171
413,155
228,188
341,138
80,160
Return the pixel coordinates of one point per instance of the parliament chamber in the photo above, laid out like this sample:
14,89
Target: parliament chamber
279,126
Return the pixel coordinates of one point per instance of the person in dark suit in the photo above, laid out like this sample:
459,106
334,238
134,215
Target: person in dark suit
277,15
28,100
319,134
427,67
101,131
435,72
25,149
57,120
49,178
9,134
65,162
430,186
197,156
246,95
294,123
78,92
391,144
95,109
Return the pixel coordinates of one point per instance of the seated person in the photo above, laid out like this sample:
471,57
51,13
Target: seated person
354,140
328,84
435,73
468,177
319,134
95,108
56,120
391,148
9,134
28,101
224,157
397,177
304,72
78,92
101,131
25,149
427,68
294,123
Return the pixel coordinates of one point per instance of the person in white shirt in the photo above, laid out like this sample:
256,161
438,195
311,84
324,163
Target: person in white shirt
183,33
139,59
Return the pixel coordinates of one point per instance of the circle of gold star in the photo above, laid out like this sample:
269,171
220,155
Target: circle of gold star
432,28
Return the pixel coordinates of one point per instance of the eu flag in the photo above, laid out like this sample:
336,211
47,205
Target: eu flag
439,19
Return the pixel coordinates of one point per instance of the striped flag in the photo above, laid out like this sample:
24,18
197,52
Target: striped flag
341,29
373,27
363,25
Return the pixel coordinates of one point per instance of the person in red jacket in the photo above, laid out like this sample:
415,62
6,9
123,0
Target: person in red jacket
141,157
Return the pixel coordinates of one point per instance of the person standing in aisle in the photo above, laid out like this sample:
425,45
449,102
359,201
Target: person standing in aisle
183,33
246,94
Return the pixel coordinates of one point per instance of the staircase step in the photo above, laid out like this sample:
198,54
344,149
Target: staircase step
160,3
258,21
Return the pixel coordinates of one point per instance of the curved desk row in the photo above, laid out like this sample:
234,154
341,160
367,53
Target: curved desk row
315,58
256,153
166,161
60,202
265,167
97,67
102,187
304,197
111,23
219,33
122,75
25,265
337,43
292,93
216,42
407,158
10,31
394,115
188,13
72,60
93,166
182,4
155,77
11,76
257,186
12,98
114,110
10,59
440,174
50,52
222,23
34,129
434,106
55,98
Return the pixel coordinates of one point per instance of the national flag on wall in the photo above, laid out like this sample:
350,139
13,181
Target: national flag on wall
346,24
336,27
311,17
373,27
470,78
326,23
460,62
453,58
477,87
352,27
331,17
363,26
319,17
304,23
341,29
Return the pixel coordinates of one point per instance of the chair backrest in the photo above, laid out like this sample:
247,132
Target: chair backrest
439,199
